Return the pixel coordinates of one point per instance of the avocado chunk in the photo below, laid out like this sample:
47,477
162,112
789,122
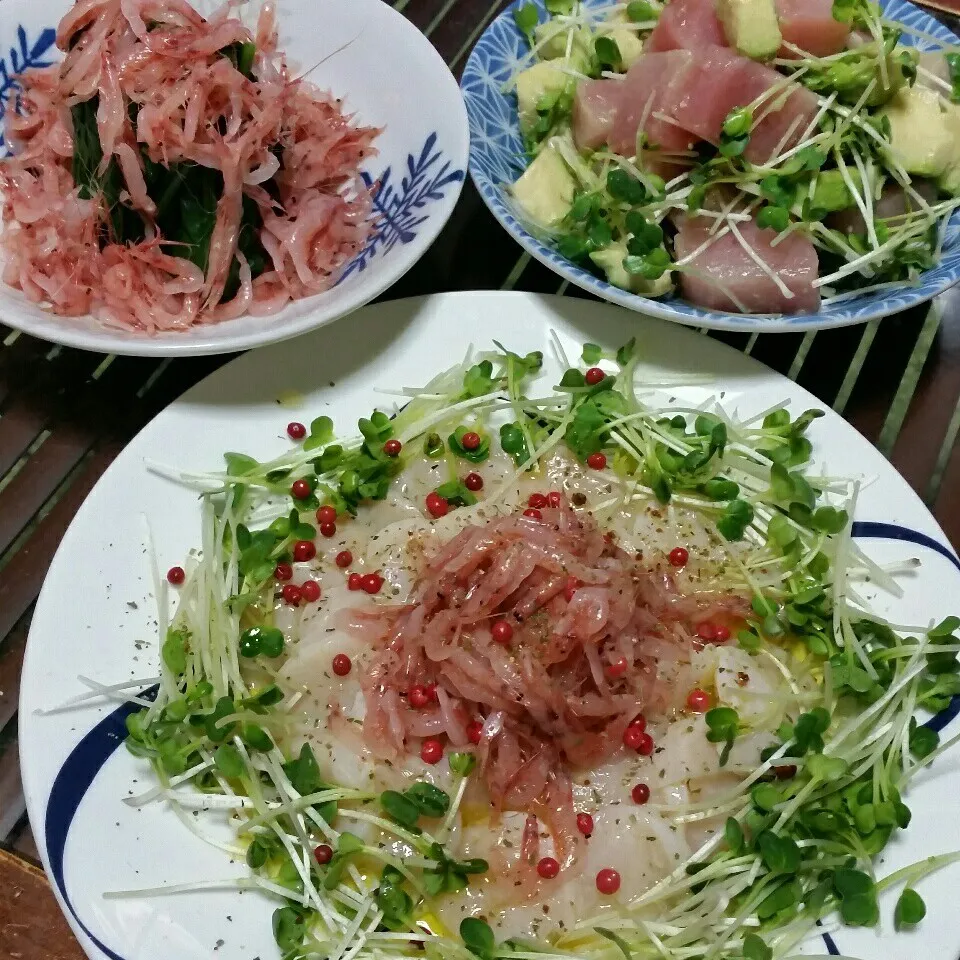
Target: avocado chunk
545,191
831,193
628,42
534,83
610,261
554,37
950,178
921,139
751,27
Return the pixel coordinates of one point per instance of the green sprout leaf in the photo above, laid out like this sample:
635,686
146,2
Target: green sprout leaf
321,433
910,909
478,938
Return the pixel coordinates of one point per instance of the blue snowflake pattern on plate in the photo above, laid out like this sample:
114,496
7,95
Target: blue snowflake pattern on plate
24,56
497,159
402,208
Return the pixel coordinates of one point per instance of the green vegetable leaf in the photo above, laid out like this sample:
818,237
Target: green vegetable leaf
780,854
478,938
526,18
910,909
462,764
774,217
923,740
735,520
321,433
615,938
289,928
626,188
400,808
228,760
733,835
431,801
754,948
174,652
608,53
347,845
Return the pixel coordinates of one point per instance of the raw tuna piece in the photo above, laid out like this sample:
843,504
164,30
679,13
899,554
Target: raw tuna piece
720,81
662,77
594,106
686,25
809,24
726,266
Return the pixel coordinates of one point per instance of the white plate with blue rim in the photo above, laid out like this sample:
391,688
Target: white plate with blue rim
95,617
497,159
388,74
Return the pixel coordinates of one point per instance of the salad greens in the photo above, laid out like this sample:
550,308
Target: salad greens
800,832
864,182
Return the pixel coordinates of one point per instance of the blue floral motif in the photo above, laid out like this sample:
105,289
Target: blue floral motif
23,56
402,209
497,159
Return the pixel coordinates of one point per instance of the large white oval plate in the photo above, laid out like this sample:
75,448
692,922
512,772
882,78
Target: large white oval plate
388,74
94,616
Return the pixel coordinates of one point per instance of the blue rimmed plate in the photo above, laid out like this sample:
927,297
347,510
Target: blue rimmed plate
497,159
95,615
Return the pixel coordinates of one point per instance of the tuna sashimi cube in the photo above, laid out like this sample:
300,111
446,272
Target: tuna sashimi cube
727,277
783,128
655,79
594,106
809,24
686,25
722,80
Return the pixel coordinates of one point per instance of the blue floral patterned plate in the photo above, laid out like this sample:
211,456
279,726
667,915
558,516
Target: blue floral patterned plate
497,159
388,74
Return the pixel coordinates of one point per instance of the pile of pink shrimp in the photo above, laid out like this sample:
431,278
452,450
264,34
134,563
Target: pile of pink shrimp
159,60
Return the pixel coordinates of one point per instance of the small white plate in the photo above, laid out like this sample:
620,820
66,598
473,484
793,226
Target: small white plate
388,74
94,617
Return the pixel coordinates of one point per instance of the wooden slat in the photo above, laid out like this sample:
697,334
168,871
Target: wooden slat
31,924
11,662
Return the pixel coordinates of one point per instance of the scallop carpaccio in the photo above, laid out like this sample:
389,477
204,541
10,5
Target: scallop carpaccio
172,170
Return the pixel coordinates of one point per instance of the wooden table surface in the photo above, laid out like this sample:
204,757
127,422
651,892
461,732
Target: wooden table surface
65,414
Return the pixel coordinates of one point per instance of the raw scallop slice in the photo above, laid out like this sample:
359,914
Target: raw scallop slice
809,24
725,270
686,25
655,79
720,81
594,107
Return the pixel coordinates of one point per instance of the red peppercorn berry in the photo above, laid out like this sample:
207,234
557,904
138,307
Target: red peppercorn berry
437,506
706,631
392,448
355,581
608,881
176,576
473,482
572,585
594,376
327,514
646,745
371,583
679,557
310,590
617,668
633,737
470,440
300,489
554,498
597,461
342,665
432,694
296,431
304,550
474,731
721,633
640,793
537,500
418,697
640,722
698,701
533,513
787,772
323,854
292,594
328,529
344,558
585,824
502,631
548,868
431,751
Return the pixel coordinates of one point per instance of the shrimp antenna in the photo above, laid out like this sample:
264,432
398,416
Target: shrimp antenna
333,53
